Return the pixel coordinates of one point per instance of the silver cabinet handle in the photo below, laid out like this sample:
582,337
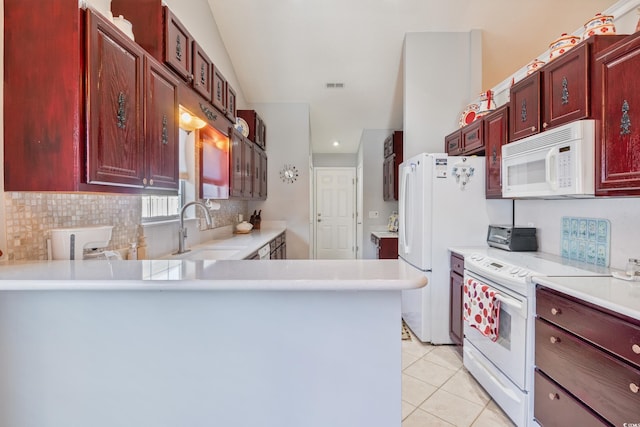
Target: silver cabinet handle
636,348
555,311
554,340
553,396
634,388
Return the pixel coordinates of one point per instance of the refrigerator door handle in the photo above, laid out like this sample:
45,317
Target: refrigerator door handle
406,171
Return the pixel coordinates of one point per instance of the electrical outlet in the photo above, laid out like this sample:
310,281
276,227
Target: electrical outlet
374,214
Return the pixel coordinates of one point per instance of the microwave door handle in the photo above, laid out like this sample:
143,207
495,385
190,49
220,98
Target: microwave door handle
551,176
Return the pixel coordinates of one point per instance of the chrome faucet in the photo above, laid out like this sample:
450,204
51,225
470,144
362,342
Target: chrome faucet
182,232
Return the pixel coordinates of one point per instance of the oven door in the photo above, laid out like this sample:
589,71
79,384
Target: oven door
508,352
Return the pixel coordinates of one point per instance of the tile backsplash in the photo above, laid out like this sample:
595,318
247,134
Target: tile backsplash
30,216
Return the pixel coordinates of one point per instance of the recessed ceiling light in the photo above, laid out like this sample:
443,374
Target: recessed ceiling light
336,143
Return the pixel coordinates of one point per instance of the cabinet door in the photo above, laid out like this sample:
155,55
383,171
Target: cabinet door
263,172
496,134
261,132
114,103
524,106
177,46
247,159
453,143
617,158
392,182
257,173
455,309
388,248
231,103
202,72
388,179
236,145
161,126
219,99
567,88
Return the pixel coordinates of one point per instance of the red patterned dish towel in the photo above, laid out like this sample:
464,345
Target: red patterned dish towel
481,308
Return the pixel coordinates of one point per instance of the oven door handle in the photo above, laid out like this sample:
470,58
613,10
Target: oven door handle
513,303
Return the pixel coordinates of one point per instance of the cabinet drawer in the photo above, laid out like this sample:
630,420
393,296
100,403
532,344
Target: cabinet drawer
453,143
472,137
591,324
457,264
599,380
553,407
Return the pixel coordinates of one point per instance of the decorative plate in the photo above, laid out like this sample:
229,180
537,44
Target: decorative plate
242,126
468,115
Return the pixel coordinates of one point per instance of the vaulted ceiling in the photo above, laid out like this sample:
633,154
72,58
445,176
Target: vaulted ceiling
286,51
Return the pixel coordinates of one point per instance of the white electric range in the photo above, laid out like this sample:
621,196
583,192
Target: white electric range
505,367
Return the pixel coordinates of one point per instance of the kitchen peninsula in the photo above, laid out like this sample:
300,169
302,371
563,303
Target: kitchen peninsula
194,342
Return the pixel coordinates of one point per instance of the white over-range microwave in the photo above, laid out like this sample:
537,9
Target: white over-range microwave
557,163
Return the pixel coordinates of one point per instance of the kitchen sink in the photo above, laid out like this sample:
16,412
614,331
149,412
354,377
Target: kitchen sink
208,254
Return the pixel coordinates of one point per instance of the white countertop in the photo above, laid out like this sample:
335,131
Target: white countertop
385,234
614,294
177,275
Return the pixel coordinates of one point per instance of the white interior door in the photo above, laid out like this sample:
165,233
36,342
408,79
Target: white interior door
335,213
359,209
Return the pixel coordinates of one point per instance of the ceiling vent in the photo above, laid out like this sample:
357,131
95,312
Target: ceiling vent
335,85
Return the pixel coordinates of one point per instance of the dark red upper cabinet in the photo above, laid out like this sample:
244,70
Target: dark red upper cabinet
43,97
618,145
236,164
202,72
496,134
569,92
524,107
178,44
161,127
115,151
231,103
219,99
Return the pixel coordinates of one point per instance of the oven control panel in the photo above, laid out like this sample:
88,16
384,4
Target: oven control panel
497,269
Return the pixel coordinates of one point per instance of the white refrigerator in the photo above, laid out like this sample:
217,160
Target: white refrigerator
442,204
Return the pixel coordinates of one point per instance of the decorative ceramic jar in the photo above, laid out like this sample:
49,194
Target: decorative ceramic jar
534,66
486,104
561,45
601,25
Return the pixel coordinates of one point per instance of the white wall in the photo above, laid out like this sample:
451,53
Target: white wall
335,160
288,142
623,213
372,147
442,74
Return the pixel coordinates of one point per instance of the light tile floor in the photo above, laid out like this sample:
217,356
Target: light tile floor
438,391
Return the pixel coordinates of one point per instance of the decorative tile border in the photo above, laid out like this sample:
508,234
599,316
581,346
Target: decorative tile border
586,239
